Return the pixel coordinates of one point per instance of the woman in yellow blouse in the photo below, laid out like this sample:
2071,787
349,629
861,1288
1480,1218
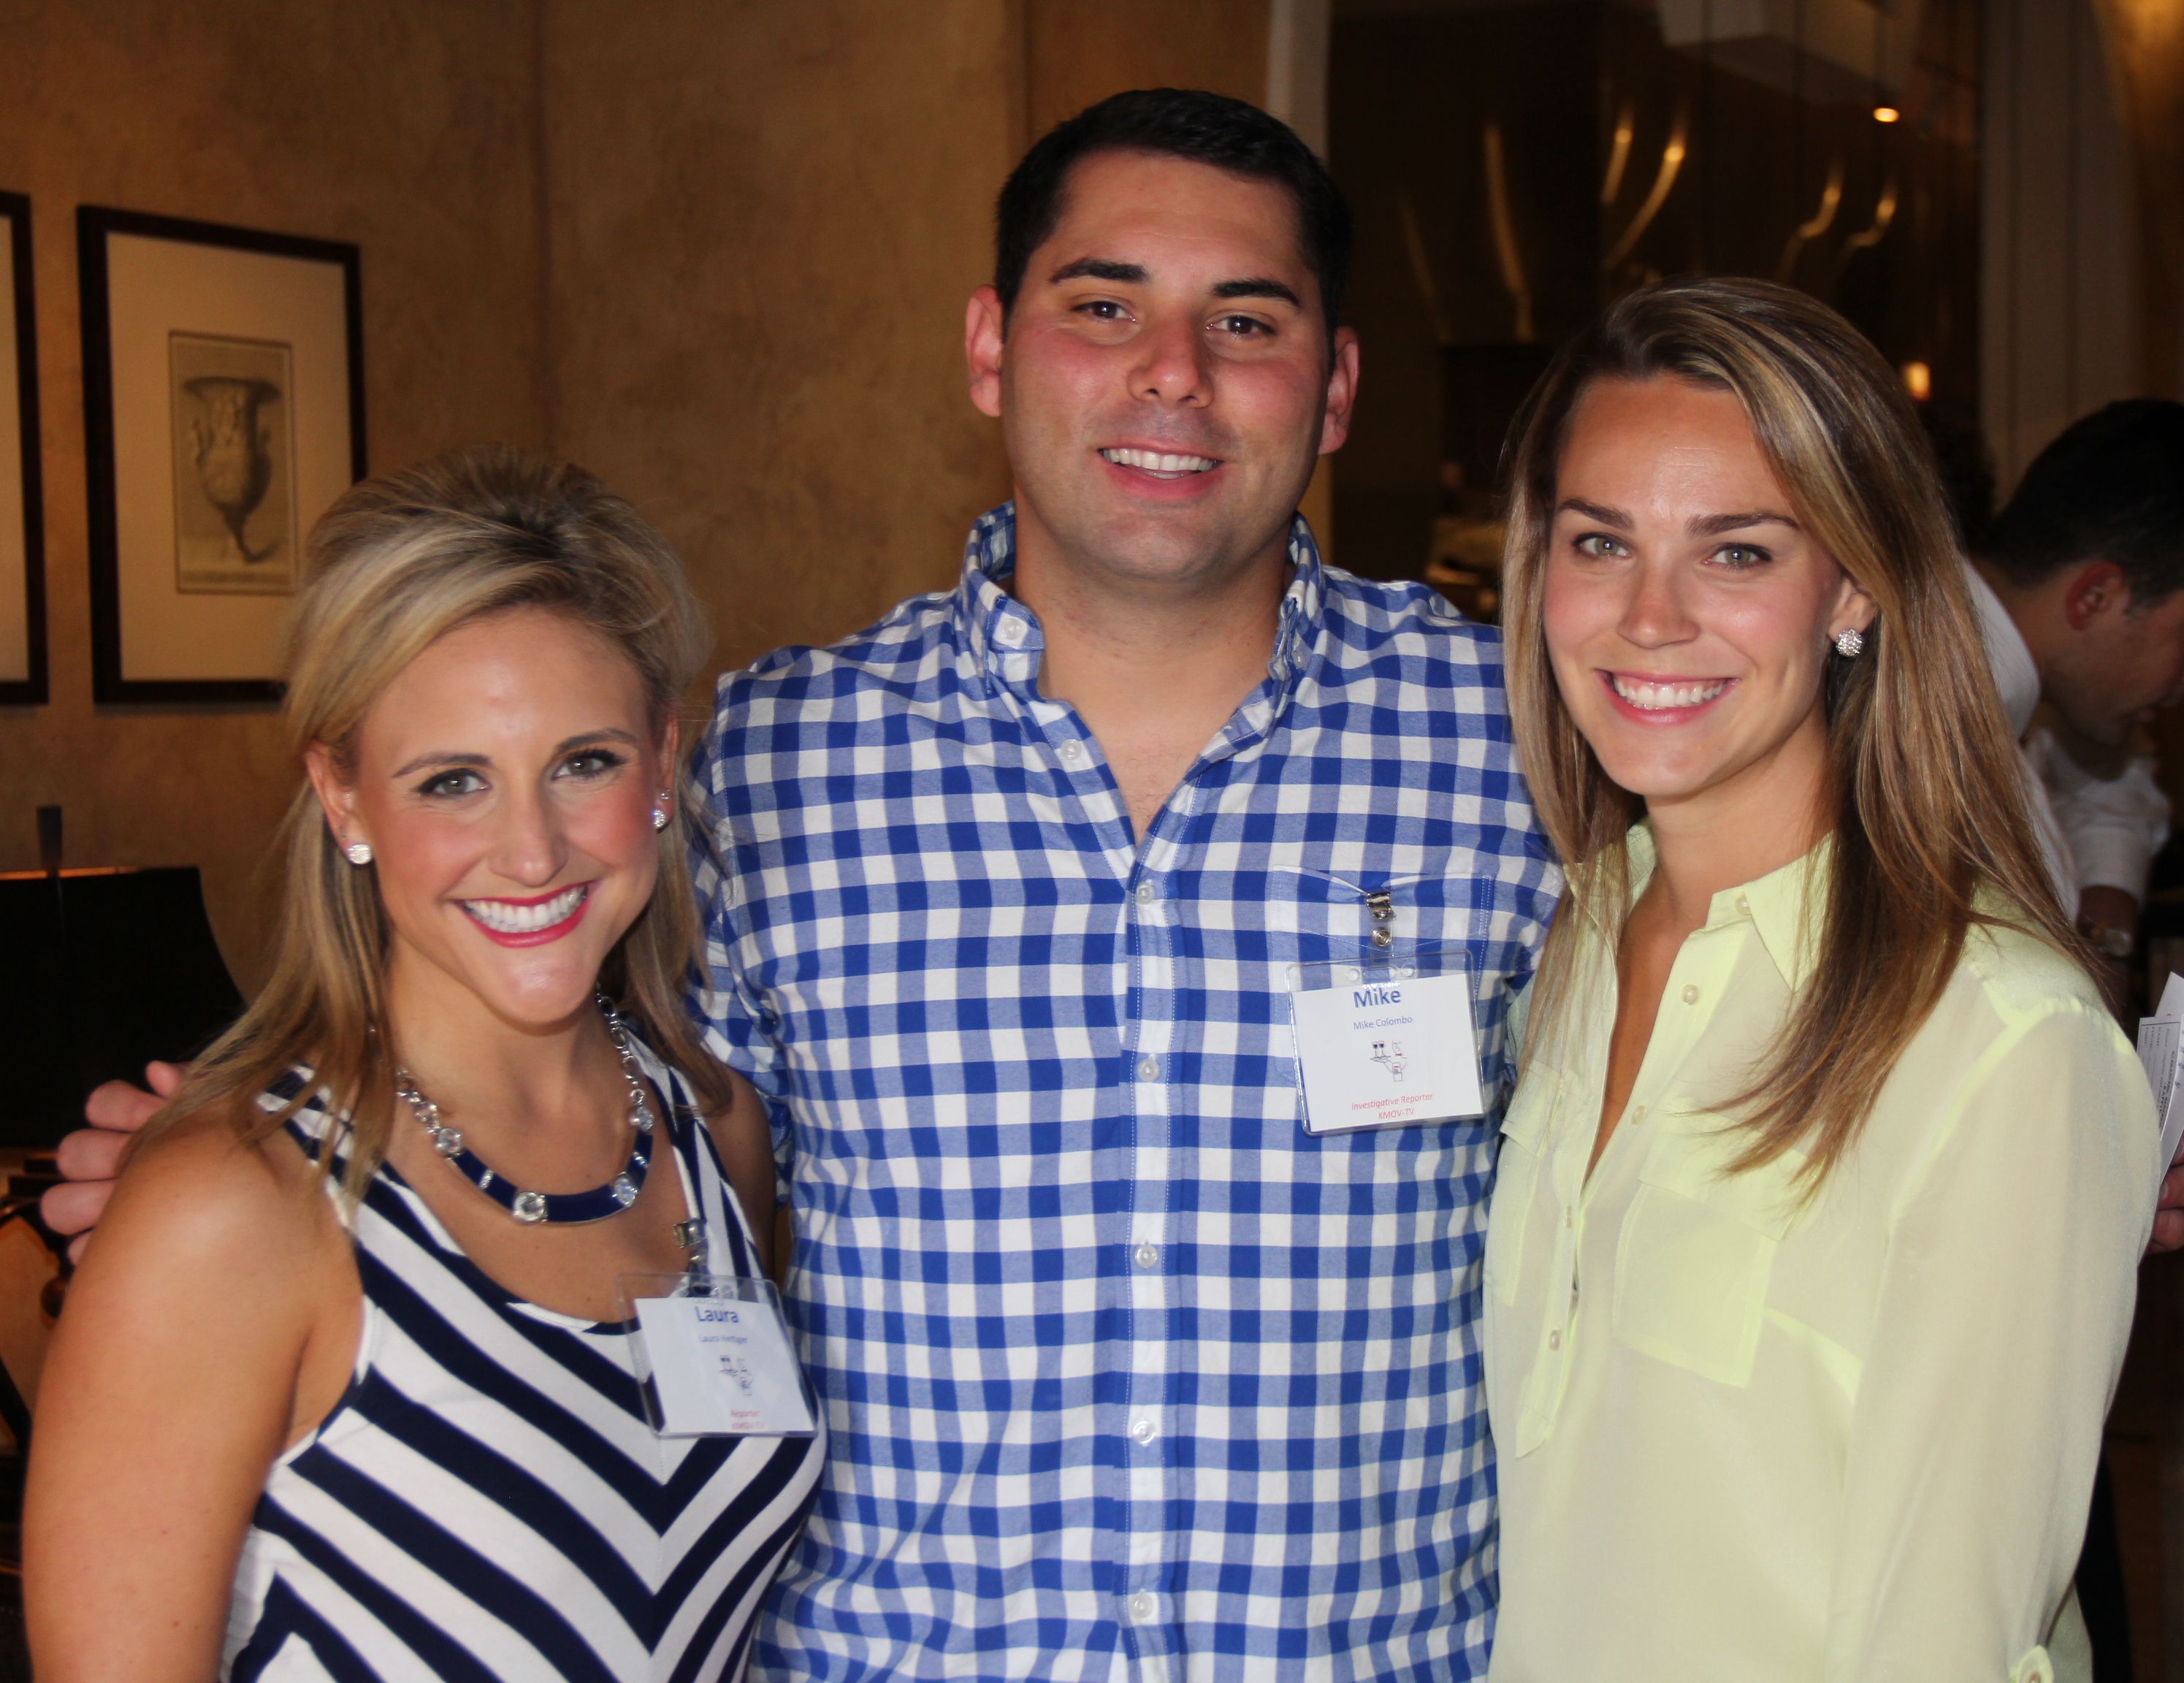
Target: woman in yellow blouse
1812,1257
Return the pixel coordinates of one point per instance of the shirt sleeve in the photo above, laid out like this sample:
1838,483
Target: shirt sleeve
733,1017
2115,825
2004,1306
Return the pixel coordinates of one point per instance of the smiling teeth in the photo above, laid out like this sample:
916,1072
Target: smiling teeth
1152,462
1661,697
509,919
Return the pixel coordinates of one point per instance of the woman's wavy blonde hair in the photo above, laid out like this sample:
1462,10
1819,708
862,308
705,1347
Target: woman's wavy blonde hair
396,563
1924,799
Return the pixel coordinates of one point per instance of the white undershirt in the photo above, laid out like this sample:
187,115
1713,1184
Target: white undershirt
2093,831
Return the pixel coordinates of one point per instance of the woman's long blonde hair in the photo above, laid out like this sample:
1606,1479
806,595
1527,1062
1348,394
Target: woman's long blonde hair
1924,797
396,563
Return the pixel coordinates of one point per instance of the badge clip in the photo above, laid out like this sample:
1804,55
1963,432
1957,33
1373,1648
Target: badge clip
1382,904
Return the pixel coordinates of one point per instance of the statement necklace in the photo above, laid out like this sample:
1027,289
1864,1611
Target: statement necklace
551,1208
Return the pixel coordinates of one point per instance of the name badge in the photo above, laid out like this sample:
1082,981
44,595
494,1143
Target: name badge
714,1357
1383,1043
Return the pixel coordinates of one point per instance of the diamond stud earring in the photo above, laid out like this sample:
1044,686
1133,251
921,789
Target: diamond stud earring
1849,641
357,853
660,811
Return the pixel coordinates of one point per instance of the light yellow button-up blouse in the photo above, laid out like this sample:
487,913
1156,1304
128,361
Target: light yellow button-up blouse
1854,1442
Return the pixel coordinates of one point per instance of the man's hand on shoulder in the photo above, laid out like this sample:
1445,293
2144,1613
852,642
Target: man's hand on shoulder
91,1157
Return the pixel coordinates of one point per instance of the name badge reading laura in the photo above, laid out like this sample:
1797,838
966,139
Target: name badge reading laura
1385,1043
715,1358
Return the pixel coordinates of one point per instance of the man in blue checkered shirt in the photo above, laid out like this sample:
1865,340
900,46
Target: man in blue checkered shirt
1127,1375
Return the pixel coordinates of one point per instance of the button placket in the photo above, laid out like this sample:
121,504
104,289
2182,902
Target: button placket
1146,1286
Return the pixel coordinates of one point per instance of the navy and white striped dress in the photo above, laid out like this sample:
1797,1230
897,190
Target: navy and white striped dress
487,1499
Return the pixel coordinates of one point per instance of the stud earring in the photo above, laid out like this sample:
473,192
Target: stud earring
659,809
357,853
1849,641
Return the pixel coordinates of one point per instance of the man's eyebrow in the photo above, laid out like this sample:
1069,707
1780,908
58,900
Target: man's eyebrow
1258,288
1606,517
1713,525
1100,268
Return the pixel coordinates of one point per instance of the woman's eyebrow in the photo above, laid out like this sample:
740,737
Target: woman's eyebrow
607,734
1606,517
441,759
1713,525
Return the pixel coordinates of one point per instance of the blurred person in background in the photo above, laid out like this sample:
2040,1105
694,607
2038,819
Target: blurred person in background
2080,585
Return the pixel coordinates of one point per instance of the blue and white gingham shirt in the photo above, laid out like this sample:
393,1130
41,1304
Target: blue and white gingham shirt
1125,1373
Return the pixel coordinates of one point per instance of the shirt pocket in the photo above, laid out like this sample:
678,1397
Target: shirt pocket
1696,1255
1320,915
1525,1135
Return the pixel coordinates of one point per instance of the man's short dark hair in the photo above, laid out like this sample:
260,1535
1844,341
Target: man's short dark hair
1203,128
2110,488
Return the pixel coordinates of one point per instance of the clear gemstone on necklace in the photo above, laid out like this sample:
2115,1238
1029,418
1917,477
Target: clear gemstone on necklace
449,1141
530,1207
624,1190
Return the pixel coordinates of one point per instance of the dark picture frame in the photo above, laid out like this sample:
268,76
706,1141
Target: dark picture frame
204,471
25,683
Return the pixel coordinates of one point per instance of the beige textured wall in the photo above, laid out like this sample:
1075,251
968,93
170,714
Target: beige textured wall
766,221
715,250
1076,52
406,126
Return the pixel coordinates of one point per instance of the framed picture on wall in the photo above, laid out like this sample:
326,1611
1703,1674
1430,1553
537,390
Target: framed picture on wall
223,404
22,515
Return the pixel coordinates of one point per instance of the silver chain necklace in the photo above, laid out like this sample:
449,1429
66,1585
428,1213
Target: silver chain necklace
551,1208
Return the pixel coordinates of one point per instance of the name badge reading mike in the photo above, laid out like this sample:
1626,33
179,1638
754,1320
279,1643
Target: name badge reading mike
1386,1042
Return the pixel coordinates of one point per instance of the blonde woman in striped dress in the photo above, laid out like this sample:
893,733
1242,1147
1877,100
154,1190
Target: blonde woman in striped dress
344,1388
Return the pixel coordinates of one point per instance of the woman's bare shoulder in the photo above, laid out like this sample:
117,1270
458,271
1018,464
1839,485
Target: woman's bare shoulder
200,1194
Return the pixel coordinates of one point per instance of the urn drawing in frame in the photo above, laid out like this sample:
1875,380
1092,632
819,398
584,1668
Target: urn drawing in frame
223,412
235,464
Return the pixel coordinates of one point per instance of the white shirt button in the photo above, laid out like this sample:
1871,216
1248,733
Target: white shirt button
1555,1339
1569,1218
1743,907
1690,995
1009,631
1147,894
1072,750
1141,1607
1147,1255
1637,1115
1148,1069
1142,1431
